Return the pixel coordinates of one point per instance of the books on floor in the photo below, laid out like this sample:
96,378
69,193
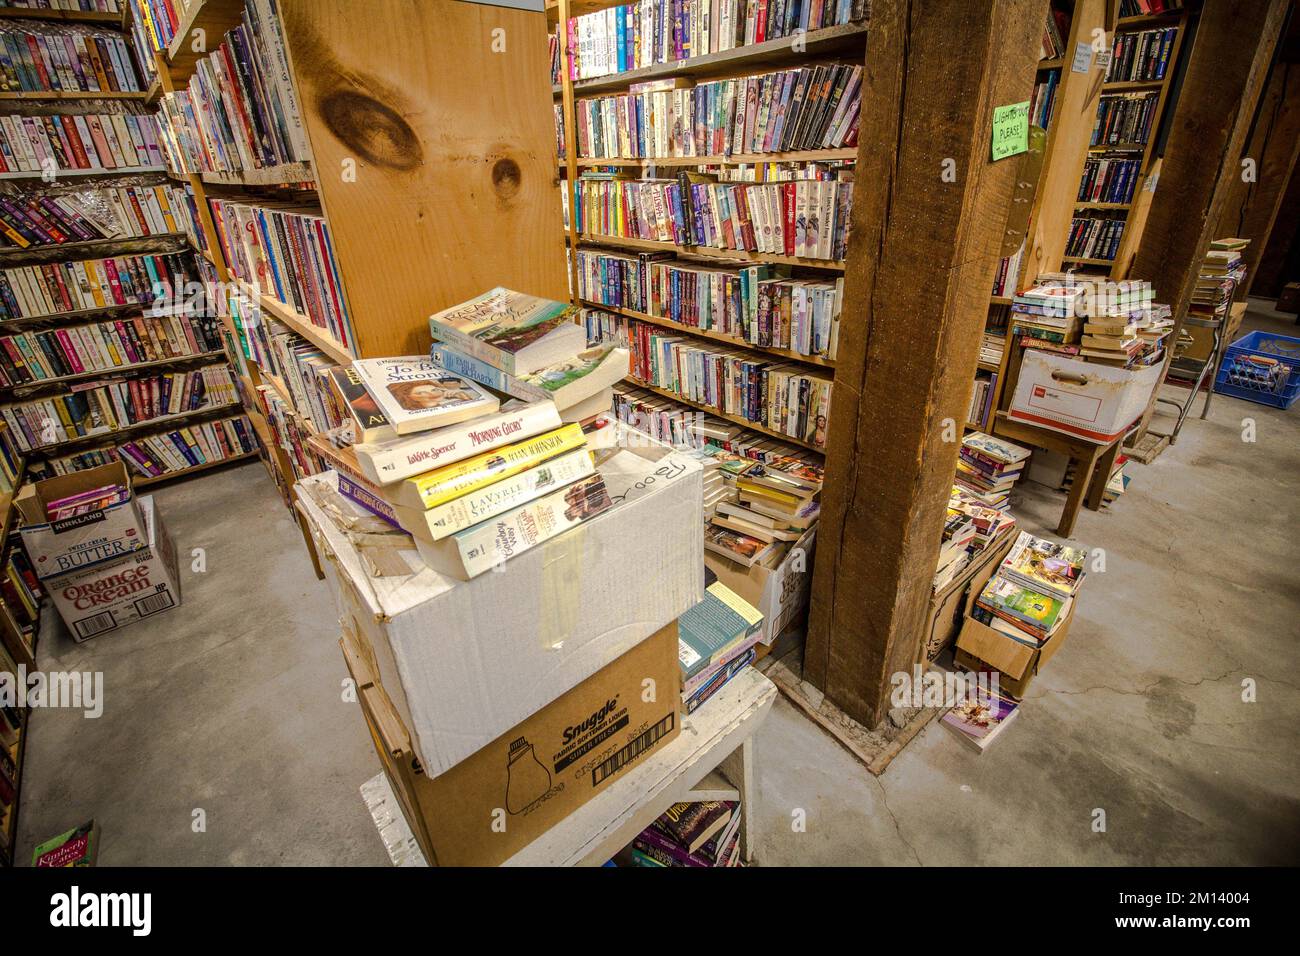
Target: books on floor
78,847
988,467
978,721
1031,593
695,834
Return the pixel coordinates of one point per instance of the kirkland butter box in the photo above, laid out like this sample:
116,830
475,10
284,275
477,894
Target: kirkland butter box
504,796
110,595
84,540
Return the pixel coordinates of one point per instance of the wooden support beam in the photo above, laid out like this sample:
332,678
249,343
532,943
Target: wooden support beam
921,263
1252,205
1225,78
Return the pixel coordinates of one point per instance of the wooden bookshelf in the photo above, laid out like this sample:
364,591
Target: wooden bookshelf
731,340
708,252
93,248
287,174
736,159
72,95
734,419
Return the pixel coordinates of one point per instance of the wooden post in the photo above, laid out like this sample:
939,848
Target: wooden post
1225,77
1253,202
928,215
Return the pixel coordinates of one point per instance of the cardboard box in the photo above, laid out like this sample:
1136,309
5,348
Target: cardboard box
498,800
948,607
97,537
1094,402
465,661
105,597
780,592
979,647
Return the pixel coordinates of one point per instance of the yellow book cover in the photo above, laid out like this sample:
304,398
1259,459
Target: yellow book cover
445,484
763,491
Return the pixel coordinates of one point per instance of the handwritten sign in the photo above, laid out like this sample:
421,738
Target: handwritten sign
1082,58
1010,130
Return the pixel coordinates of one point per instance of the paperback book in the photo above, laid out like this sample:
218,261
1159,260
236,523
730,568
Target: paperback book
370,422
509,330
416,395
1047,566
978,721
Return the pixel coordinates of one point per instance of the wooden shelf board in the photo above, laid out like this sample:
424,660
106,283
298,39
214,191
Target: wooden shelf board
168,476
1081,260
1131,86
799,156
112,372
1142,21
60,174
708,252
723,337
13,254
734,419
301,324
268,176
759,55
1118,148
1000,300
70,95
1053,64
1103,205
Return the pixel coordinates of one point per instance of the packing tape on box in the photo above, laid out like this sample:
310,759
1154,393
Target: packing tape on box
561,587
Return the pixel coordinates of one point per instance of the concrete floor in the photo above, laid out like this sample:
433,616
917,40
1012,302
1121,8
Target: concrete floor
233,703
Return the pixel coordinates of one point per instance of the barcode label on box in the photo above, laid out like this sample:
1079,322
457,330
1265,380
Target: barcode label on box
636,748
90,626
154,603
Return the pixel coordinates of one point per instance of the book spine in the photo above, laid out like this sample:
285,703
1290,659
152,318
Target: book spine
445,484
468,367
366,499
393,461
493,542
501,496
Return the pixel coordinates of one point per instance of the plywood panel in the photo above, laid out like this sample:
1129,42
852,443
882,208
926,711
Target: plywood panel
444,111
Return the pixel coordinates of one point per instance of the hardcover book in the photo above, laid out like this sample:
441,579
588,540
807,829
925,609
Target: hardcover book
451,481
469,553
386,462
509,330
371,423
416,395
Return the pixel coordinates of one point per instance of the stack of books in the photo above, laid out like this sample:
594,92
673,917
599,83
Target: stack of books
705,833
970,528
113,142
775,504
473,481
992,346
1220,272
988,468
716,640
1048,312
1030,595
1054,34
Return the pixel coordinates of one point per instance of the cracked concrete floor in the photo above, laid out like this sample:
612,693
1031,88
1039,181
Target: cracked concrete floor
232,705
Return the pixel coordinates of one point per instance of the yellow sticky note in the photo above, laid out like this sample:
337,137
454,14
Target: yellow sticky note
1010,130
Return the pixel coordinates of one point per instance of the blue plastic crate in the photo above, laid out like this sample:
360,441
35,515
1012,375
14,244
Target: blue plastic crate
1261,367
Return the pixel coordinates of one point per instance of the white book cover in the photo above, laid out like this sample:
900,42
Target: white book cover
386,462
417,395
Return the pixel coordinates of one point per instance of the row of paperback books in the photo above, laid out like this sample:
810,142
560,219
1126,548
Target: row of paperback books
239,110
805,108
38,356
756,304
775,395
116,404
1109,179
1008,274
981,399
156,21
153,456
117,141
1142,8
1141,55
803,218
285,251
88,284
46,217
642,34
65,57
1043,99
1094,237
1124,119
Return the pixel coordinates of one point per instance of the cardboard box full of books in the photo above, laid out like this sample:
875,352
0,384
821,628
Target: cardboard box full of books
463,661
779,592
93,535
508,793
980,647
107,596
1087,400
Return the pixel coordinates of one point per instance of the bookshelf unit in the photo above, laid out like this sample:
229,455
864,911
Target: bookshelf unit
18,641
54,388
844,41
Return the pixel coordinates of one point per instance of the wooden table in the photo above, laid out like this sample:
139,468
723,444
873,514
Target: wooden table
1093,464
711,759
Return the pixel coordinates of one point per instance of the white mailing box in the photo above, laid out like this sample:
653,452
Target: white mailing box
464,661
1090,401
